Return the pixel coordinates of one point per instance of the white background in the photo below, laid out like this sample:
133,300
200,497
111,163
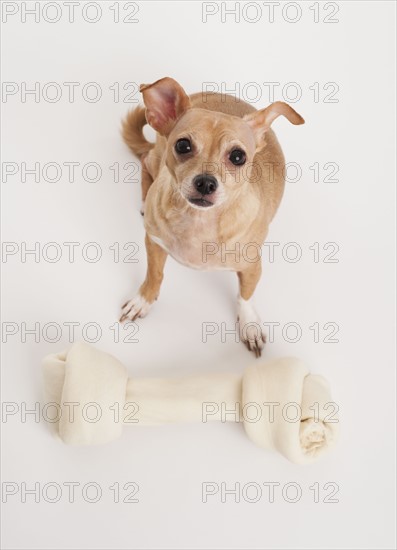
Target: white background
170,463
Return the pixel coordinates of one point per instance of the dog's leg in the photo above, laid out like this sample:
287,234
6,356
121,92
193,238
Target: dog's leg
149,290
146,182
250,325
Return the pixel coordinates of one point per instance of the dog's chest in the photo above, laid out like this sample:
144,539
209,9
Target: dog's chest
194,243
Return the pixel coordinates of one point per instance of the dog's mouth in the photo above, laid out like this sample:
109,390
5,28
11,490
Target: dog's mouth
204,203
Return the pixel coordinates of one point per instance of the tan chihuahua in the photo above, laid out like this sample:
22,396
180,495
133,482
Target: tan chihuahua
211,184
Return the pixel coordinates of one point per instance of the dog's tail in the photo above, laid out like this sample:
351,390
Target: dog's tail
132,127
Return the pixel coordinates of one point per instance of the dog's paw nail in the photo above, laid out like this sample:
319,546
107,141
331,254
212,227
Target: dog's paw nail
137,307
253,337
254,342
256,346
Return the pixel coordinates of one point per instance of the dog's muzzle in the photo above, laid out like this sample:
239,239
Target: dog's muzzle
205,185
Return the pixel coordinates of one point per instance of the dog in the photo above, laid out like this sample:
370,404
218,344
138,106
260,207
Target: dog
211,184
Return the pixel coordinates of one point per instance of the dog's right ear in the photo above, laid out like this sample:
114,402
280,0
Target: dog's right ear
165,102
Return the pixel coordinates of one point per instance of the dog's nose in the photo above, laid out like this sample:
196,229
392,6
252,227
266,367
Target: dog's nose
205,184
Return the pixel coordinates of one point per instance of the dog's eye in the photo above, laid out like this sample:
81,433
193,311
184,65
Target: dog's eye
183,146
237,157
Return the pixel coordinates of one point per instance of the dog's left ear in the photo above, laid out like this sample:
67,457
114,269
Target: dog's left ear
165,102
260,121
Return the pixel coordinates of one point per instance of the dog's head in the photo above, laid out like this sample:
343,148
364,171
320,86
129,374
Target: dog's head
209,154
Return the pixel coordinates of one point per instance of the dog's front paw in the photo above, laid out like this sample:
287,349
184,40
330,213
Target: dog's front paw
253,337
137,307
250,327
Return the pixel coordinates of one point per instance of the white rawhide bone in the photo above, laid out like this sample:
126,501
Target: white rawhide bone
94,398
